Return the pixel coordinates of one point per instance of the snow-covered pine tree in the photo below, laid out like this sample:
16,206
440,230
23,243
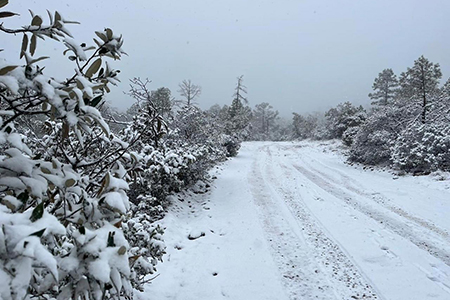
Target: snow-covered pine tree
420,83
385,87
343,117
263,121
239,114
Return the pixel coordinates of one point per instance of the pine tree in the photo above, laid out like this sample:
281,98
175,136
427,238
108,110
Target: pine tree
162,101
264,117
384,86
239,115
421,82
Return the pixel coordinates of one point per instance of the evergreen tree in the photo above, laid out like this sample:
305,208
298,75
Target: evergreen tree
239,115
384,86
263,120
162,101
420,83
344,116
304,127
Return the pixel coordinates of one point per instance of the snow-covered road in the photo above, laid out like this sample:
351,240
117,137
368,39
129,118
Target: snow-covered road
293,221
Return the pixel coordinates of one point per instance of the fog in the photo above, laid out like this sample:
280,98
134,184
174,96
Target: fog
300,56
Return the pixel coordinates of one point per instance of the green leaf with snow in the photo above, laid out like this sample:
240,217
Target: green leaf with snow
70,182
95,101
109,33
33,61
38,233
6,70
94,67
102,36
37,213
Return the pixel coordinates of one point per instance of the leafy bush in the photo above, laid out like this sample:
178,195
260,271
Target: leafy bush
63,185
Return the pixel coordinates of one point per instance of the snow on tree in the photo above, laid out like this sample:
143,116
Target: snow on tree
420,83
343,117
162,101
410,132
239,115
373,141
189,91
385,87
63,200
304,127
423,148
263,121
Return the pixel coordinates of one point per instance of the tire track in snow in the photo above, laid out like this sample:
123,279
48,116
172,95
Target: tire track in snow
376,197
287,247
318,255
394,225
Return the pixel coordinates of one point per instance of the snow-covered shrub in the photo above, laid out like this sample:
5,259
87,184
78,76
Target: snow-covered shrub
63,188
172,159
146,244
232,146
166,171
423,148
340,118
349,135
375,137
371,147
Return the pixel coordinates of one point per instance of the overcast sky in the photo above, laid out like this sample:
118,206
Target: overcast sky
300,56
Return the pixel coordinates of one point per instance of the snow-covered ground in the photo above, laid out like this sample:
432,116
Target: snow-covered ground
293,221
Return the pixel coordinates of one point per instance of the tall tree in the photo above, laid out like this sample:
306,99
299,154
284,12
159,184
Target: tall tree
304,127
420,82
384,86
162,101
239,91
264,117
189,91
239,115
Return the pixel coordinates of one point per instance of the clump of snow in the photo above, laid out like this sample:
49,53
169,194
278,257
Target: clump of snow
10,82
76,48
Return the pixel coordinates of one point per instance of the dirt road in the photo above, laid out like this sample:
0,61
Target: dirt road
294,221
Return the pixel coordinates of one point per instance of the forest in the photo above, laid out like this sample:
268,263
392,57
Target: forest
82,183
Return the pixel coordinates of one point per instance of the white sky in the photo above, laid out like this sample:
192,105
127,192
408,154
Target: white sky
300,56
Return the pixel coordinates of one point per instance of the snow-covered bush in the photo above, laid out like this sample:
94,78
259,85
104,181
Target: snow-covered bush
349,135
342,117
63,184
232,146
371,147
146,244
374,139
423,148
173,156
